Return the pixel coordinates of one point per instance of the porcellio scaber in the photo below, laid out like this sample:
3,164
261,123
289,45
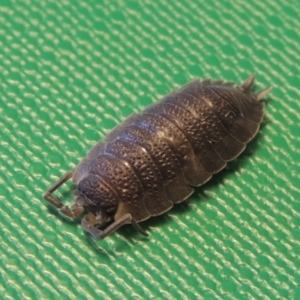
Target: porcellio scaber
154,159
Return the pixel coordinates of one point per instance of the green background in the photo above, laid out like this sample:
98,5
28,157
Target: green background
70,71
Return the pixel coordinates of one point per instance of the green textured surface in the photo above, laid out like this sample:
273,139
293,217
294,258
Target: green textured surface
70,71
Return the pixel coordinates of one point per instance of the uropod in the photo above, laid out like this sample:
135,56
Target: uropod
154,159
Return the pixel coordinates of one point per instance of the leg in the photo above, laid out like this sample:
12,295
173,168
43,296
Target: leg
73,212
88,226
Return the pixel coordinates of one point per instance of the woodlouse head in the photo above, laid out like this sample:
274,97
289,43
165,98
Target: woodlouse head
94,192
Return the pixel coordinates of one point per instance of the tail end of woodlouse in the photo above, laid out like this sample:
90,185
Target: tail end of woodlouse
247,85
263,93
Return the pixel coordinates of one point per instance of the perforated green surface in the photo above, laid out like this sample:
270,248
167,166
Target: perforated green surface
70,71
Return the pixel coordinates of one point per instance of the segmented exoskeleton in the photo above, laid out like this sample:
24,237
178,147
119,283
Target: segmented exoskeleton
155,158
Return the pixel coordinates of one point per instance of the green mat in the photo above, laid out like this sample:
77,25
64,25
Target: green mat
70,71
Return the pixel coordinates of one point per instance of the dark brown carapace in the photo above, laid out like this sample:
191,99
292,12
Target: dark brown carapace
155,158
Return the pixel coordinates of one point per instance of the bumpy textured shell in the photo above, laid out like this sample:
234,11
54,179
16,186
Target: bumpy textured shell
155,158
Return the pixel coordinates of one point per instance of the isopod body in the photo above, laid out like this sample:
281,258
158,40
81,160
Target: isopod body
155,159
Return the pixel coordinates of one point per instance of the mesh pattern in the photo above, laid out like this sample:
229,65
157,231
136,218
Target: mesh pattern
70,71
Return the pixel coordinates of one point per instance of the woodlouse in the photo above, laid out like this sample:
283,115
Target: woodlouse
155,158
